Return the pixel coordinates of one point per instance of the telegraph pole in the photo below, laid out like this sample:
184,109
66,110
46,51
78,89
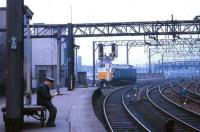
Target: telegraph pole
14,69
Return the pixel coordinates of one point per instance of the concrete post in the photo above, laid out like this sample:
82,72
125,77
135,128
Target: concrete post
29,65
58,61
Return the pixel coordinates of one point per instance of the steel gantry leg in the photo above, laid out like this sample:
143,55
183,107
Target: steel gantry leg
14,68
71,79
150,61
127,54
162,66
94,83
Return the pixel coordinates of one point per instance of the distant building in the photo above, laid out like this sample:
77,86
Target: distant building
79,63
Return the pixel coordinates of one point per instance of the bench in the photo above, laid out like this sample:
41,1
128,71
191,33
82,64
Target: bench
35,111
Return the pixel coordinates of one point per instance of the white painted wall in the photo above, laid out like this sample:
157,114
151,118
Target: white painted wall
44,52
3,18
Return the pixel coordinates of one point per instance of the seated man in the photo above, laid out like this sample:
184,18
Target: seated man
44,98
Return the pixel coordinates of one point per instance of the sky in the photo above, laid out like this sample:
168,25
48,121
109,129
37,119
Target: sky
98,11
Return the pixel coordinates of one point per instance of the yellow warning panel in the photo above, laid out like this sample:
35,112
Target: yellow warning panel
102,75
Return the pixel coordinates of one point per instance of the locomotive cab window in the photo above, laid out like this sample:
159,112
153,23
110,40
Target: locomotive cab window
102,65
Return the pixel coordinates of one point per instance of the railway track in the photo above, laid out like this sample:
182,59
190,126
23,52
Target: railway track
152,112
192,86
198,88
140,108
177,113
183,102
191,95
150,116
117,118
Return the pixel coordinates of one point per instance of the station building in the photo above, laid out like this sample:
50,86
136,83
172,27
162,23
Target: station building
43,57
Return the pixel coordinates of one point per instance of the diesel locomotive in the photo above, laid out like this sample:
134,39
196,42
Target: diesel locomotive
116,75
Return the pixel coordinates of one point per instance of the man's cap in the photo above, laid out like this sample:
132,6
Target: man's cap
50,79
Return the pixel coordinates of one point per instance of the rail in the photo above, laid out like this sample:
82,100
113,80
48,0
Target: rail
116,117
168,107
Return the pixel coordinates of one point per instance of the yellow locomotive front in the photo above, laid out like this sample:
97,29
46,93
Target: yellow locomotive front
104,72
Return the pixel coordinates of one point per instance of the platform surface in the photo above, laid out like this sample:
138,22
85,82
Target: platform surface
75,113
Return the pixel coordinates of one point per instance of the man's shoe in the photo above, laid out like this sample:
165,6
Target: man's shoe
50,125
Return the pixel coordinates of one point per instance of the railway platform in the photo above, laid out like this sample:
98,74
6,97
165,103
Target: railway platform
75,113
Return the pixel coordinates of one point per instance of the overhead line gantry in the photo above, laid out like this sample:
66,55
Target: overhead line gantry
70,31
173,27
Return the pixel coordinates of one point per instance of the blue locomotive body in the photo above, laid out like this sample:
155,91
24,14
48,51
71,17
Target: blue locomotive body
123,75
